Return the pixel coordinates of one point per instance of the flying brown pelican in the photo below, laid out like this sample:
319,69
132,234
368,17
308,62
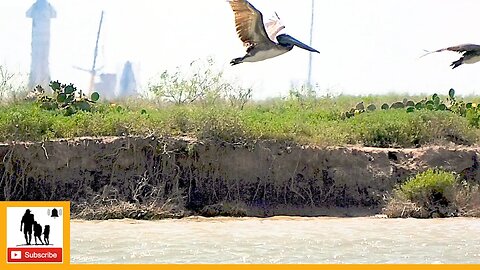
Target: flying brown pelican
471,54
258,38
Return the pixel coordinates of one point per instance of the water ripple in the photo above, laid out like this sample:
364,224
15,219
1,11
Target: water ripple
277,240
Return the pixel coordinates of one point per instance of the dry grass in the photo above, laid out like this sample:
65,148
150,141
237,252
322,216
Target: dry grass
122,209
402,208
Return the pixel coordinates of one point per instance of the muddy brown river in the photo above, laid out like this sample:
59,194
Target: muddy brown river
277,240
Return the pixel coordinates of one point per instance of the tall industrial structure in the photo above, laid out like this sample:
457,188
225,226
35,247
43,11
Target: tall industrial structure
41,13
128,84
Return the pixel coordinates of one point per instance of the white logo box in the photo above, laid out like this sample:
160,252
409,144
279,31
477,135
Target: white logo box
43,216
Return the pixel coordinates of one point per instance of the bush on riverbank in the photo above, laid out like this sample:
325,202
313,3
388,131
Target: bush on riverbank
434,193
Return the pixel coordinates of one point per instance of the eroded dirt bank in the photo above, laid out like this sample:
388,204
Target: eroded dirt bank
161,177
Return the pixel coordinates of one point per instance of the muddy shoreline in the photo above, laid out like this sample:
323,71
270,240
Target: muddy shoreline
150,178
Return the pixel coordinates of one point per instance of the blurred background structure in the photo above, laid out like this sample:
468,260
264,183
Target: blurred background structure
41,14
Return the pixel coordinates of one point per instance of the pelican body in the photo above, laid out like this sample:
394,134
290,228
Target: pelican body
470,54
257,37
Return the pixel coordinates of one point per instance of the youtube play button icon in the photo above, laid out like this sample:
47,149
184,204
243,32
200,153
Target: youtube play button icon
15,255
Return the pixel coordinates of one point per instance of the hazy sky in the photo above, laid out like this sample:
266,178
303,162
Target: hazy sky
367,46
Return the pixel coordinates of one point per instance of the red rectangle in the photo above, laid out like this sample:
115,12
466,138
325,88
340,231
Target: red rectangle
35,255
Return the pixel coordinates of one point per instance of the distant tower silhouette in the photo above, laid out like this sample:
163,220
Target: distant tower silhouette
41,12
128,84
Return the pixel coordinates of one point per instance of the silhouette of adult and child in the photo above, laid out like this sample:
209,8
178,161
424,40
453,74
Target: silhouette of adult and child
30,226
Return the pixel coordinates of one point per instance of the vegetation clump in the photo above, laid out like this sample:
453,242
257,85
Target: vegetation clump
200,84
451,104
434,193
66,98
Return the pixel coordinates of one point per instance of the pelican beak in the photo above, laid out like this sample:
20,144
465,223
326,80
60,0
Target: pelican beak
289,40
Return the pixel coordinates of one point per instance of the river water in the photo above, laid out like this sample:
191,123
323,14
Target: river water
277,240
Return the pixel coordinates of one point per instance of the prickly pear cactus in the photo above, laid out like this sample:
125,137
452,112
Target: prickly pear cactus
67,98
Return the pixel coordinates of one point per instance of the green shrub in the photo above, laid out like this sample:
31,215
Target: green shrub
398,128
473,116
430,186
432,193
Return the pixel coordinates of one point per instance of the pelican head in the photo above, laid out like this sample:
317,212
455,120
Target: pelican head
289,41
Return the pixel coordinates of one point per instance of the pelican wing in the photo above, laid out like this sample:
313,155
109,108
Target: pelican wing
249,23
463,48
274,26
